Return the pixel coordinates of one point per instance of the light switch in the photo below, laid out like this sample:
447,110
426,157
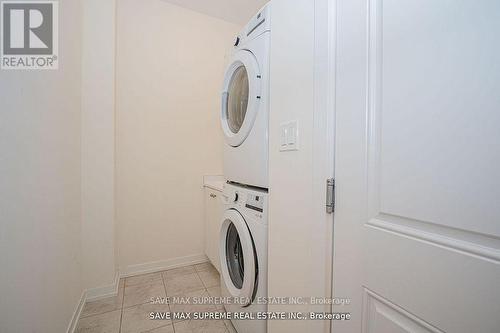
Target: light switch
284,134
289,136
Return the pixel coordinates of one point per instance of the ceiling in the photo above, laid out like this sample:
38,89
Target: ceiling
235,11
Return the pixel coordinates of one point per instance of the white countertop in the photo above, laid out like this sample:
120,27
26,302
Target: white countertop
214,182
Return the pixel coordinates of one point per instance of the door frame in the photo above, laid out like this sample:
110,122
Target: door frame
324,125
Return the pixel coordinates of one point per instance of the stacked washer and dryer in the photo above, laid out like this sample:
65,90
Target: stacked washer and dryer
245,123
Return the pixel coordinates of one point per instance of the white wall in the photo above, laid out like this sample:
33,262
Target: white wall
170,64
300,232
236,11
98,143
40,276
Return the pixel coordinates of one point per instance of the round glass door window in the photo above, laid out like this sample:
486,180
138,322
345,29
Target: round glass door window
238,258
240,97
234,257
237,101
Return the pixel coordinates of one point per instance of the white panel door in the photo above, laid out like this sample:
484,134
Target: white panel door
417,226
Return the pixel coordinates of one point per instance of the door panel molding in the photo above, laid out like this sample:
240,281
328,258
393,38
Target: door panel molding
416,218
374,114
381,315
374,104
482,246
467,242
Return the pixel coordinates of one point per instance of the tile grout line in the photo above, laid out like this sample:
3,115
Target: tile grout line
202,282
164,282
167,297
100,313
206,289
151,330
138,304
205,284
121,309
146,282
149,283
90,316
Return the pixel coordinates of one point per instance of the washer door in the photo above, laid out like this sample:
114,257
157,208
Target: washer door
240,97
237,256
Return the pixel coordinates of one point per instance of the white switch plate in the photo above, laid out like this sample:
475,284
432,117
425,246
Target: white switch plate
289,136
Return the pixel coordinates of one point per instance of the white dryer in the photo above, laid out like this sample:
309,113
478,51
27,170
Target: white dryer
243,255
245,105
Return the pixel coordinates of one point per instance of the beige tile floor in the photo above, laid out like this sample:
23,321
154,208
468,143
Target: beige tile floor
128,312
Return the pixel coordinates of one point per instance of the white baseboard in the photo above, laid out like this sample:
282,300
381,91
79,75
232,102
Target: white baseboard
162,265
94,294
76,313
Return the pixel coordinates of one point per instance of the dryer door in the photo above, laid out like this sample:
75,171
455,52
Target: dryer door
240,97
237,256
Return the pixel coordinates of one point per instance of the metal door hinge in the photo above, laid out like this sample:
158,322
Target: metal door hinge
330,195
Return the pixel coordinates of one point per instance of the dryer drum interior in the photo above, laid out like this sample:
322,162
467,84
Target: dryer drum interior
237,100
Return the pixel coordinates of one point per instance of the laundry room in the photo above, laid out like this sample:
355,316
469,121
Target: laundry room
249,166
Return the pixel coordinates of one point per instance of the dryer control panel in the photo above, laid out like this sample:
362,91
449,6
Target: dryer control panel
259,24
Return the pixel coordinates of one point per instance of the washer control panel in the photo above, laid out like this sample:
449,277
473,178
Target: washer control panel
255,202
251,202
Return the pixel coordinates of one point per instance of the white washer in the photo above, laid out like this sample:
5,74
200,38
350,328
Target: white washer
243,254
245,105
